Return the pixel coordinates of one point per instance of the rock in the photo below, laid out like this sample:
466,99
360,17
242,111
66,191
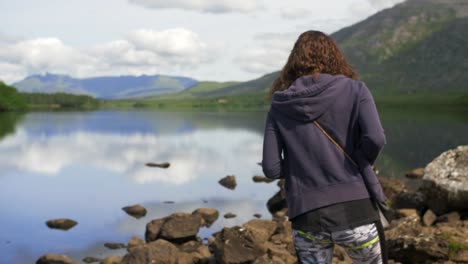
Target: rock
91,260
229,215
54,259
163,165
135,242
162,251
277,202
460,256
259,178
429,218
261,229
445,181
114,245
408,199
168,202
417,173
229,182
450,218
257,215
136,211
407,212
178,228
152,229
236,245
63,224
409,242
111,260
209,215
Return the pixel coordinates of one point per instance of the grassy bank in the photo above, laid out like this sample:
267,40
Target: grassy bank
257,101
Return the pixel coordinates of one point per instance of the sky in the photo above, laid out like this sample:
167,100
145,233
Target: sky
216,40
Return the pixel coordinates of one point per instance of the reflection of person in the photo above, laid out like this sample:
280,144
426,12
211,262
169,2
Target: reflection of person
330,201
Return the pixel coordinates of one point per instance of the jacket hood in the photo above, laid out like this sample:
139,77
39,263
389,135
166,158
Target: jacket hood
308,98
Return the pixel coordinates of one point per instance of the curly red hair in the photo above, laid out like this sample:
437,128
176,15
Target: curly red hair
314,52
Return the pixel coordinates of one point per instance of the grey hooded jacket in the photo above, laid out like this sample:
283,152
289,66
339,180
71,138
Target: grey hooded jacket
316,172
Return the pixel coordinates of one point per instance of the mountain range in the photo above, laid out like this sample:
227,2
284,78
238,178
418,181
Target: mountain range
418,46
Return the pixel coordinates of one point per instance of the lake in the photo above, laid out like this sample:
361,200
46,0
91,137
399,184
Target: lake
88,165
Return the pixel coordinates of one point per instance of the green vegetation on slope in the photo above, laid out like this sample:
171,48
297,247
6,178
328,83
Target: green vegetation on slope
59,100
10,99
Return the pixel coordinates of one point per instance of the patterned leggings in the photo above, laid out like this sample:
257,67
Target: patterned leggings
361,244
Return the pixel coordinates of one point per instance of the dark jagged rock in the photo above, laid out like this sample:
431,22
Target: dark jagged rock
54,259
209,215
228,182
62,224
257,215
136,211
163,165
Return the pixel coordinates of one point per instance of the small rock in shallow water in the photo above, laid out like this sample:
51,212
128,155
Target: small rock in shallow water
228,182
163,165
259,178
417,173
229,215
136,211
54,259
114,245
257,215
168,202
62,223
91,260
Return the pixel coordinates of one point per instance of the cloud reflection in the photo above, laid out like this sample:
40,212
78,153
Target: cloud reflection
190,154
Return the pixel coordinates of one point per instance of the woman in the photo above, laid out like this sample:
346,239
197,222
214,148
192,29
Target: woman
331,199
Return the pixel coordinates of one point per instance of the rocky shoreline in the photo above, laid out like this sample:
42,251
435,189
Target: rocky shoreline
430,226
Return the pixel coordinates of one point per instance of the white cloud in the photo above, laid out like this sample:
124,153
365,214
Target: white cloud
269,54
143,51
292,12
209,6
369,7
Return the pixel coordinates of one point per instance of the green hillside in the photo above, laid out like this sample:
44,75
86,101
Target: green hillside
10,99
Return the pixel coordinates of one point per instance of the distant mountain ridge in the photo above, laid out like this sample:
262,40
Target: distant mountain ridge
110,87
418,46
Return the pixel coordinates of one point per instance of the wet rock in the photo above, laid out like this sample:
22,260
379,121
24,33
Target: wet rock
169,202
445,181
417,173
429,218
54,259
91,260
111,260
257,215
259,178
228,182
209,215
136,211
277,202
229,215
62,223
114,245
163,165
135,242
178,228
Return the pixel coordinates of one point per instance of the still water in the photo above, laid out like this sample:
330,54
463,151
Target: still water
88,165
